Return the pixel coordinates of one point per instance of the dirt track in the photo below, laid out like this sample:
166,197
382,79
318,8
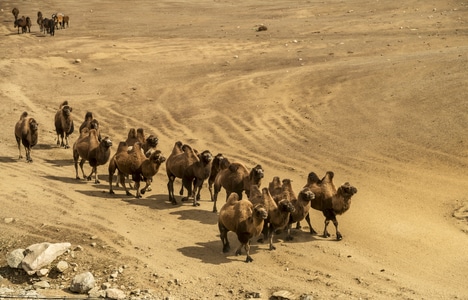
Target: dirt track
375,92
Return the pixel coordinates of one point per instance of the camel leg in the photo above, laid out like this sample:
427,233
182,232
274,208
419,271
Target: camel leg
81,167
224,239
122,183
137,187
170,189
312,230
247,250
289,236
58,140
28,154
66,142
331,216
18,141
271,234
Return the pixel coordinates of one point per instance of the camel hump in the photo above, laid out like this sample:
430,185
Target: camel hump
64,103
89,116
24,115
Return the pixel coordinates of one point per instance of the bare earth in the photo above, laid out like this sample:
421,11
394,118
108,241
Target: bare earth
372,90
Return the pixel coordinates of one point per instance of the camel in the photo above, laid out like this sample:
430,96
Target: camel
243,218
192,168
64,124
90,149
27,134
278,213
329,200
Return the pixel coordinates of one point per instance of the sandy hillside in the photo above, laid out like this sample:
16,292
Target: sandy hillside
374,91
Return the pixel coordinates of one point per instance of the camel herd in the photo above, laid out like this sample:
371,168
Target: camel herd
46,25
265,210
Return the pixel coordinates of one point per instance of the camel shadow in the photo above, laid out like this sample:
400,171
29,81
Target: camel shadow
211,252
65,179
158,202
6,159
43,146
59,162
196,214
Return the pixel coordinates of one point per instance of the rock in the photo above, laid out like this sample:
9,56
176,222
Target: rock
62,266
4,290
41,285
115,294
14,258
8,220
42,272
283,295
82,283
77,61
40,255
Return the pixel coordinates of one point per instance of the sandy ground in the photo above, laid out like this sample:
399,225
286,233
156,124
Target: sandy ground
372,90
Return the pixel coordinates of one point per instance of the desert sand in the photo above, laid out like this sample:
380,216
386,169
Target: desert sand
374,91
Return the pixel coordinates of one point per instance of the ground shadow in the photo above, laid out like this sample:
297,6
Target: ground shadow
212,252
65,179
6,159
197,214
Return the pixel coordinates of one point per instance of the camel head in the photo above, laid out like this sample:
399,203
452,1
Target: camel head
157,157
347,190
94,124
152,141
306,195
106,142
206,157
66,110
257,173
33,124
286,205
260,211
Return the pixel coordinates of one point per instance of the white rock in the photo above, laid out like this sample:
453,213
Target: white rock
115,294
15,257
62,266
41,285
40,255
82,283
42,272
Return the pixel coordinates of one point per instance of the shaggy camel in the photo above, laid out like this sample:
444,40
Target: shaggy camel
64,124
26,134
329,200
192,168
278,213
90,149
236,178
243,218
284,190
91,123
128,162
149,168
24,23
219,163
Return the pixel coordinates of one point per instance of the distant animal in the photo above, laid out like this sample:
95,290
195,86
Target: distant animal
243,218
192,167
91,123
328,199
278,213
58,20
26,133
24,23
48,26
236,178
64,126
15,13
127,162
90,149
40,20
66,20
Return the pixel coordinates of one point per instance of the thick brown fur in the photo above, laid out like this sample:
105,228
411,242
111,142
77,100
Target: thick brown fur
64,124
91,123
278,213
329,200
184,162
220,162
90,149
26,133
149,168
127,162
236,178
243,218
